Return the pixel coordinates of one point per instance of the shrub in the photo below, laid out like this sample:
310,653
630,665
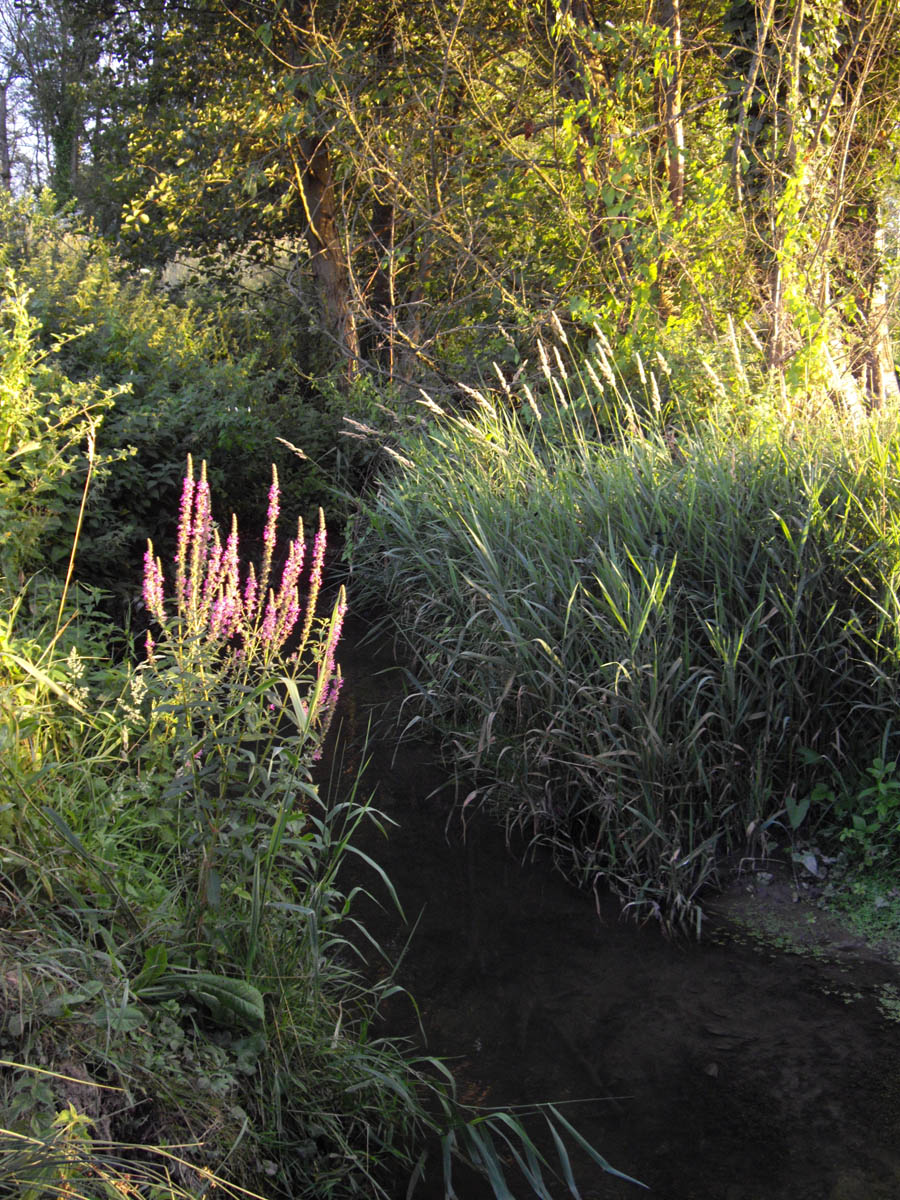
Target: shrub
171,890
181,384
46,423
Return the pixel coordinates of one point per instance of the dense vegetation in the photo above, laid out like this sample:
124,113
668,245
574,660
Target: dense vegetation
184,1002
653,651
170,897
582,325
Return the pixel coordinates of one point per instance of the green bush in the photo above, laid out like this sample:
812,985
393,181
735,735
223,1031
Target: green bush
174,907
47,424
182,385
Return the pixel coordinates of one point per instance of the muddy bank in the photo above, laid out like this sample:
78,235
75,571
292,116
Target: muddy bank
777,904
729,1070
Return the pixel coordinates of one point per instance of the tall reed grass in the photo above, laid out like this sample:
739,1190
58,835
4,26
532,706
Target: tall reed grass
640,633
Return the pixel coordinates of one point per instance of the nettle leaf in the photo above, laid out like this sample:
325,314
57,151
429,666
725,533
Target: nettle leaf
155,962
230,997
118,1018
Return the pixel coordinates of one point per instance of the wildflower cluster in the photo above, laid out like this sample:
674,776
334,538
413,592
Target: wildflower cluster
247,620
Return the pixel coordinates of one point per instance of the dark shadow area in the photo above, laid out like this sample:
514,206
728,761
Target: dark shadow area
711,1071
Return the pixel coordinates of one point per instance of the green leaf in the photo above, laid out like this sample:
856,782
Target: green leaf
796,810
119,1018
43,678
213,889
156,960
586,1145
228,1000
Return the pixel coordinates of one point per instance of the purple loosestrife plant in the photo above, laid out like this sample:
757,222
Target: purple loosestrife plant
245,672
315,580
211,600
184,532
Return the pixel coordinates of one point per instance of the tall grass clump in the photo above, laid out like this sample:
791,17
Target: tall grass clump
641,635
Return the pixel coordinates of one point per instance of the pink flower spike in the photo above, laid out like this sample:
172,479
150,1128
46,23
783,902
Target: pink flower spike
250,596
288,602
315,579
153,584
185,513
287,620
213,569
272,514
267,633
230,563
203,507
292,568
223,617
328,707
200,534
202,513
318,558
334,691
269,531
217,618
340,613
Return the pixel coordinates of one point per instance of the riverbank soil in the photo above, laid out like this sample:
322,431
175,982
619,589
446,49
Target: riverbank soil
761,1064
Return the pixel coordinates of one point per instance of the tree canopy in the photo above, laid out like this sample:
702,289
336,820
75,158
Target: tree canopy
434,180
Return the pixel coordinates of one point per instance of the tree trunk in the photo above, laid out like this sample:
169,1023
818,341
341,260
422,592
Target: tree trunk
315,183
669,17
5,163
382,307
314,179
582,79
783,173
763,28
853,242
878,375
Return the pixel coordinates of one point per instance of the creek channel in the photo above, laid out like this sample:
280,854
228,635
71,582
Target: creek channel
725,1070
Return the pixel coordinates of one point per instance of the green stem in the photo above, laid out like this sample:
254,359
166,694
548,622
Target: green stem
91,441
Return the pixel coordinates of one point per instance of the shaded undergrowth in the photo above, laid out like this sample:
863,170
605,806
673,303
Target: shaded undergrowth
183,1005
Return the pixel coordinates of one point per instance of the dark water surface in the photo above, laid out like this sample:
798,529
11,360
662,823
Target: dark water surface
711,1072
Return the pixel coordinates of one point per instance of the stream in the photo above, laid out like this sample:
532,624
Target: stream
724,1070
